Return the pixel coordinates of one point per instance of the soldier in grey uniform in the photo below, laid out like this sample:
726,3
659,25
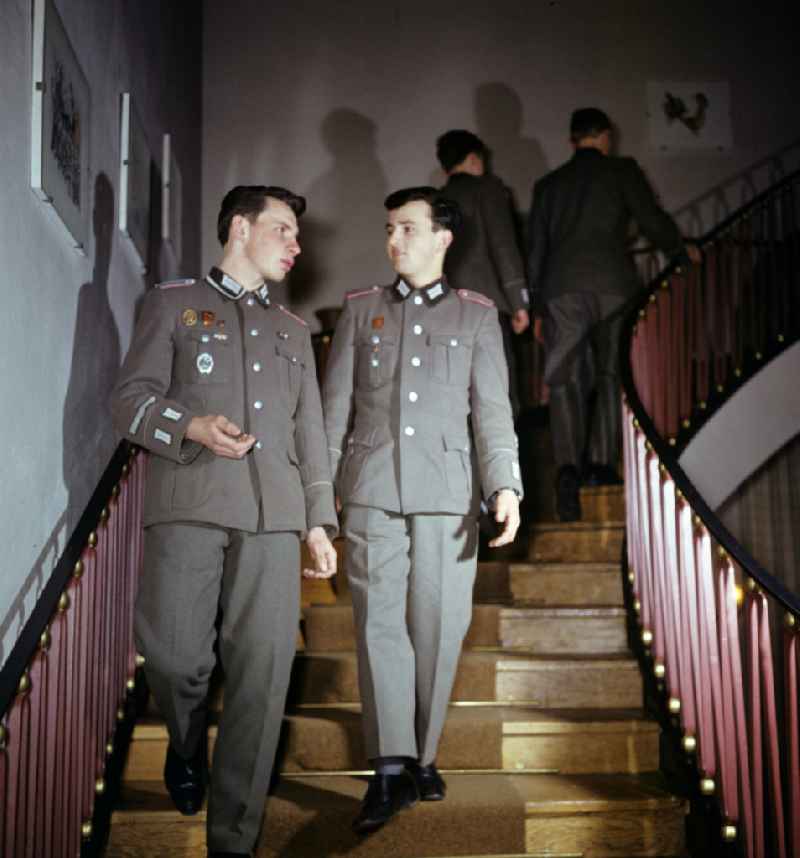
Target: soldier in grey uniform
418,421
220,386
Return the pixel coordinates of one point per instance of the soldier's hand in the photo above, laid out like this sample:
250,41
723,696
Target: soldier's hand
220,435
694,253
520,321
507,514
322,553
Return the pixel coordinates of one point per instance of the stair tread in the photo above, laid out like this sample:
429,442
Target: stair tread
498,654
514,609
575,526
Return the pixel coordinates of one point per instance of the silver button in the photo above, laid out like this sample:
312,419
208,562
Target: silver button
453,342
409,430
413,396
415,361
205,338
418,299
251,301
375,362
258,445
375,339
417,329
253,332
294,359
256,367
258,405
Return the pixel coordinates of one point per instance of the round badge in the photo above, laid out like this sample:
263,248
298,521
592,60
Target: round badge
189,317
205,363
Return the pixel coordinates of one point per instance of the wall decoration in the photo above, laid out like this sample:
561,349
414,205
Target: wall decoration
171,199
134,180
686,115
60,123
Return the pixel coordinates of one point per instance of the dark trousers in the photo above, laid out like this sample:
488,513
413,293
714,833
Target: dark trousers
581,335
511,360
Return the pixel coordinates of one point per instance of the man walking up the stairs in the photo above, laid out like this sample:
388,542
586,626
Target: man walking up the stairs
410,364
219,384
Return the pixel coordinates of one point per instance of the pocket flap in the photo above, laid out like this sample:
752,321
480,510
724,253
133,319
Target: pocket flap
288,354
456,442
451,341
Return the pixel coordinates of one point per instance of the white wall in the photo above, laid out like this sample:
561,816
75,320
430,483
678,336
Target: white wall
343,102
67,319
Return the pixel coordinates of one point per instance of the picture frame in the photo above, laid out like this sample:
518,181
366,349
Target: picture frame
134,180
60,126
171,199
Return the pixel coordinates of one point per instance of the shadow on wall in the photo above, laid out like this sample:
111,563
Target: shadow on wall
87,436
341,234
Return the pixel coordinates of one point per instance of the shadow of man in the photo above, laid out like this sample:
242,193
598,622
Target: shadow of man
88,440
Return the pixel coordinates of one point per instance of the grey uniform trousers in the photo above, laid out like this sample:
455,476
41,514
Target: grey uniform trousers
411,579
190,573
581,336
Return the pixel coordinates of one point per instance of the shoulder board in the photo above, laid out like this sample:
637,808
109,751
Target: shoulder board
175,284
359,293
292,315
475,297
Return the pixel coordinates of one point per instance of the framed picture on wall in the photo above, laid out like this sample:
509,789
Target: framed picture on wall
134,180
171,198
60,123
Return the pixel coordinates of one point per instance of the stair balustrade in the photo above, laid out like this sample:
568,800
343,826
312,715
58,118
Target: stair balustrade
63,688
721,634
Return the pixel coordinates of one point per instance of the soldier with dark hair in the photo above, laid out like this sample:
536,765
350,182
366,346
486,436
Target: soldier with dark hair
412,367
220,386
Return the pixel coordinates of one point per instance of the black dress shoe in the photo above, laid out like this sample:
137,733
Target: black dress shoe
568,501
429,782
186,780
601,475
386,795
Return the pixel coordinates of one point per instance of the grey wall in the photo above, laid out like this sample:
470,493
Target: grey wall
66,318
343,102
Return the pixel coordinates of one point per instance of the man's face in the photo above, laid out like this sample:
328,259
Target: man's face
415,250
271,245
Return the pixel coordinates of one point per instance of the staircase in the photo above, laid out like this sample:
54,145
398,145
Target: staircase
546,750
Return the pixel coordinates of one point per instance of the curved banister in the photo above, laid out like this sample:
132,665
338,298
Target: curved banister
702,601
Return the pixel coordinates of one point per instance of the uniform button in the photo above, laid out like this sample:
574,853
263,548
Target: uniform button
294,359
253,332
256,367
453,342
375,339
258,405
258,445
409,430
205,338
375,362
418,299
417,329
413,396
415,361
250,302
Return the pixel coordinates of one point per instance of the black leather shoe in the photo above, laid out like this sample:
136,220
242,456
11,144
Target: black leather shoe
568,501
429,782
601,475
186,780
386,795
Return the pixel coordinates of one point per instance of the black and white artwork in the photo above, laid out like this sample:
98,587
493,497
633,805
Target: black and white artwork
134,180
689,115
60,123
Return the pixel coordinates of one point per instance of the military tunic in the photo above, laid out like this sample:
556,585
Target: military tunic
418,422
220,533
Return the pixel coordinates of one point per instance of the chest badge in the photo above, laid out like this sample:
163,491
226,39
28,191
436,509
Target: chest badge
207,317
377,323
205,363
284,335
189,317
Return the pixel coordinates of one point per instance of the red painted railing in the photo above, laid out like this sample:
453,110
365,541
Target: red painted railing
721,631
57,733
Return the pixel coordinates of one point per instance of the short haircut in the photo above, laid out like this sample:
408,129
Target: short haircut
445,214
249,201
453,146
588,122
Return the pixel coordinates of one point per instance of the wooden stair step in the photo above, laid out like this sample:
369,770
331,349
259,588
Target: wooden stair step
576,542
541,630
602,503
512,738
567,584
487,814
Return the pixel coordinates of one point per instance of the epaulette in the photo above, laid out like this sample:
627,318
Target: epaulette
289,313
359,293
175,284
475,297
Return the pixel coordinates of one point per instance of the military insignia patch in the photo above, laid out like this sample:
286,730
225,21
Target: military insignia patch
189,317
205,363
377,323
207,317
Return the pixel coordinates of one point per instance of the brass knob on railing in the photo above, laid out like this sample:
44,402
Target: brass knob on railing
720,388
659,670
130,685
673,441
109,748
92,541
637,606
139,660
689,743
64,602
780,338
99,786
104,514
678,494
86,829
707,786
631,576
78,569
652,298
44,640
120,714
647,637
698,522
721,552
759,356
789,620
125,471
24,685
642,313
703,405
635,423
3,737
686,423
115,491
729,833
665,284
738,372
674,705
739,595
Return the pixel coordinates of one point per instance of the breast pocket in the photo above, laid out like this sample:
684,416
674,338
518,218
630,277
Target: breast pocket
376,360
202,359
451,358
290,370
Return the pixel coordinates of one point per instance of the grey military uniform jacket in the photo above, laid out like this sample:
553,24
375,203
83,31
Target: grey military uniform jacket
210,347
485,255
416,401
